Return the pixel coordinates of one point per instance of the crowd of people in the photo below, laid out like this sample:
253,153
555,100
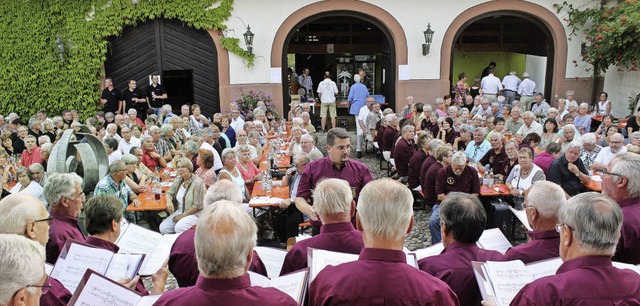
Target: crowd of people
545,156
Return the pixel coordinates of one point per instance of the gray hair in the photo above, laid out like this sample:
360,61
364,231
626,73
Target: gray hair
44,139
167,108
332,197
224,237
496,134
528,114
22,261
16,210
111,143
384,209
568,127
223,190
33,121
464,217
390,117
356,78
60,185
588,138
458,159
464,128
56,119
627,165
30,137
584,105
573,144
407,128
439,101
117,165
165,129
36,167
153,129
191,147
226,154
307,137
144,138
435,144
129,159
297,120
427,108
547,198
595,220
481,130
24,170
206,132
303,156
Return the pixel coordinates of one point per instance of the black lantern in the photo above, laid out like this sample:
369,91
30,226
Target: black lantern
428,38
248,39
60,46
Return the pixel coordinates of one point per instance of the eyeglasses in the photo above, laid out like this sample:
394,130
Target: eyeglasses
81,195
45,286
559,227
49,220
605,172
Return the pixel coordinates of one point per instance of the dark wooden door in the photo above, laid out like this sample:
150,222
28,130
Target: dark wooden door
167,47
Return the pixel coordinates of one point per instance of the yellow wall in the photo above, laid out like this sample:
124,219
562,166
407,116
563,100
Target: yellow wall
474,62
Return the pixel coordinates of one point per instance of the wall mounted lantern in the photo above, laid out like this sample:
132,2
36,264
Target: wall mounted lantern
428,38
248,39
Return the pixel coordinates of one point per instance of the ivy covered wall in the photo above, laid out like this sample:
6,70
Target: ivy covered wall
32,75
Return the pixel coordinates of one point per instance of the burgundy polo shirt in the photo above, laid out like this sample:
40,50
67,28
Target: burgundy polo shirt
378,277
426,164
388,138
184,265
354,172
228,292
106,245
628,249
429,187
415,164
495,160
467,182
543,245
58,295
506,167
453,266
63,227
544,160
337,237
402,153
589,280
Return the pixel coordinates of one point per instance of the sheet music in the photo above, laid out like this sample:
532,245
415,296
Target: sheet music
272,258
259,280
123,265
137,239
507,278
124,224
486,291
493,239
266,200
48,268
293,284
80,258
433,250
544,268
154,261
99,291
522,216
323,258
621,265
149,300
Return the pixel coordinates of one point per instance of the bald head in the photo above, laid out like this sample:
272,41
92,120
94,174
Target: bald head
18,213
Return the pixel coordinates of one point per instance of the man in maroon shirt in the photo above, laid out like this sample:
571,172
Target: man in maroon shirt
64,193
23,276
434,144
182,260
225,238
335,207
496,156
381,276
463,220
24,214
403,151
621,182
390,133
457,177
541,204
589,231
544,159
416,161
104,216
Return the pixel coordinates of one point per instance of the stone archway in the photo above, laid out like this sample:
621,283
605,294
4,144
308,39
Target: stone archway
560,83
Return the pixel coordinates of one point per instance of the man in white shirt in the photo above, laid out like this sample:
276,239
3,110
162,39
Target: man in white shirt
540,107
327,89
237,123
207,143
490,86
529,126
510,84
361,124
128,141
526,89
616,145
112,131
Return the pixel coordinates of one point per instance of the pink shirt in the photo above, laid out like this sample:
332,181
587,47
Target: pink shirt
31,158
248,173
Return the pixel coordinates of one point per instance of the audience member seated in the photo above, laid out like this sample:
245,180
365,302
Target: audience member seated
291,179
114,184
390,133
590,150
447,133
550,133
415,163
541,205
308,145
589,226
150,157
184,199
569,136
27,185
403,151
620,181
463,220
478,147
616,146
103,219
511,149
568,171
111,147
23,278
544,159
611,130
128,141
31,154
524,174
582,121
137,184
529,126
230,171
205,171
250,173
294,141
38,174
457,177
495,157
384,216
514,122
335,207
65,196
224,239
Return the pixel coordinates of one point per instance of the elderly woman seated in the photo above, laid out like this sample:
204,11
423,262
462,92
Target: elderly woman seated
27,185
248,169
231,172
136,182
294,141
205,172
184,199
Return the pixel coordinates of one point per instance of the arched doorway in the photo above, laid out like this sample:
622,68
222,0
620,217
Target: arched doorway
185,58
343,42
515,41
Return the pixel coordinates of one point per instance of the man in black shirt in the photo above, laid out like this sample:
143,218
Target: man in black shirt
156,94
568,171
133,98
111,98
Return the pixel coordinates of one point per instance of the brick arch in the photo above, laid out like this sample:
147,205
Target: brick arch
540,13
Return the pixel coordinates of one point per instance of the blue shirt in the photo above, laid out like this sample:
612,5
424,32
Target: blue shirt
476,152
357,96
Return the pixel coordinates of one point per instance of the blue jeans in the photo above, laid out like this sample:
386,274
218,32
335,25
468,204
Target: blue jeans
434,225
158,111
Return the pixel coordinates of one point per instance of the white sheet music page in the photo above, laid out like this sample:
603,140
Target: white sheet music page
433,250
323,258
293,284
493,239
272,258
160,254
99,291
544,267
522,216
507,278
79,258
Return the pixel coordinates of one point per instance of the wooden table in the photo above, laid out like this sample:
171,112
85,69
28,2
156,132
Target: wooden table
492,192
149,203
